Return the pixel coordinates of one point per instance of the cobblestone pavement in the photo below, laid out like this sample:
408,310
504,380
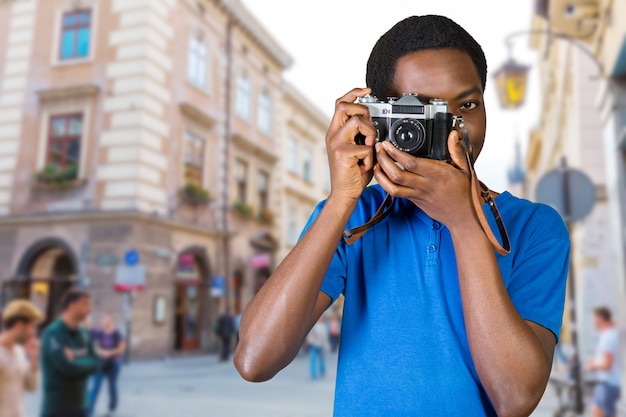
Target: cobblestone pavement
203,386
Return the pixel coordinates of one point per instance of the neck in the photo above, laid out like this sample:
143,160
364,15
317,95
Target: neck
71,322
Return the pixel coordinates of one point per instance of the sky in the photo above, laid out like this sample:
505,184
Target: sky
330,41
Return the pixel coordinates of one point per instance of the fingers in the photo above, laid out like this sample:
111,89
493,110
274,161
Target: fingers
345,109
351,96
395,180
457,150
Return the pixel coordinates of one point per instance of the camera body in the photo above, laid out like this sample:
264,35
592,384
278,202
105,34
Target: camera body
411,126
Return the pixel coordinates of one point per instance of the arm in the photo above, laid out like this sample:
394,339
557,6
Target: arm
604,364
63,361
279,317
31,356
512,356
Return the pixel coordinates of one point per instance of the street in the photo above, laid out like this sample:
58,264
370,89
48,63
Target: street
203,386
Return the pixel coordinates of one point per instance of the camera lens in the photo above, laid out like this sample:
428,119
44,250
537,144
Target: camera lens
407,135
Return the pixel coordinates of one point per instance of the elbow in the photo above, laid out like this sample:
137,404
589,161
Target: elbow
520,404
250,367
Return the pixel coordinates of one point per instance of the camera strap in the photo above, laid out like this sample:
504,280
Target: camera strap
352,235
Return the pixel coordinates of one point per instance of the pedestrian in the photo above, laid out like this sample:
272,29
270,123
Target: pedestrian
19,356
334,332
225,329
437,320
68,359
110,346
605,365
317,342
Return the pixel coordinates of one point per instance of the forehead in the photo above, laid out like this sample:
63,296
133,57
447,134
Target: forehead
441,73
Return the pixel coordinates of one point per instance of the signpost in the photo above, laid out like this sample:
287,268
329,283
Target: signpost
129,279
573,195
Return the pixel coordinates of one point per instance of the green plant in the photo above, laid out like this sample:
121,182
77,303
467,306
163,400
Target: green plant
57,175
242,208
266,216
195,194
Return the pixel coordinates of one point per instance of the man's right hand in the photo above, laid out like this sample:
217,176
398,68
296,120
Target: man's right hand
69,354
351,165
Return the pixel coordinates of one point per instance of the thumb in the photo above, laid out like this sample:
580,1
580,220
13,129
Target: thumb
458,152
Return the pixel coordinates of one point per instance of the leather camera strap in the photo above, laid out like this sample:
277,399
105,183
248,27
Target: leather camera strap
352,235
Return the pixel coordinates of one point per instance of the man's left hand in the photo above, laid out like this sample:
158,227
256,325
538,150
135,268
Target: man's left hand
442,190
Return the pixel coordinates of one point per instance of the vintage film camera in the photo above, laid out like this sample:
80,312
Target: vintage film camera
411,126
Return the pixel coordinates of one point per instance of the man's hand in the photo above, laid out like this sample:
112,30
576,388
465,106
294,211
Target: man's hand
351,165
442,190
69,354
31,348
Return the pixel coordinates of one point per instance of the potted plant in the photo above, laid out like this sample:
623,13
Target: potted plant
242,208
55,175
194,194
266,216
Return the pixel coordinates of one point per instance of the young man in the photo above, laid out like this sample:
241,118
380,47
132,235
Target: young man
435,322
19,356
110,346
606,365
68,358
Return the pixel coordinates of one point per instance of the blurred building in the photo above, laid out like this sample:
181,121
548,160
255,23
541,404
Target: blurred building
143,143
583,80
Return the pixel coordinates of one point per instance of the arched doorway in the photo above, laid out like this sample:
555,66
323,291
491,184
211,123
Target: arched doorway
191,275
45,272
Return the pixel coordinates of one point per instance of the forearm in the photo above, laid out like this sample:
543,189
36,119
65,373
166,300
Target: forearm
277,320
510,360
31,379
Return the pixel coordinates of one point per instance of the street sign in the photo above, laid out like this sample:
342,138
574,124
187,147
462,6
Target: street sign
569,191
131,257
218,286
130,278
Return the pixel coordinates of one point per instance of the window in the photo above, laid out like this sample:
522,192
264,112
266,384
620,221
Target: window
292,155
264,113
292,227
75,34
263,187
197,62
307,164
241,178
64,140
242,101
193,159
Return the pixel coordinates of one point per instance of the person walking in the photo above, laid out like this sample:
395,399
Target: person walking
225,329
68,358
19,356
110,346
334,332
605,365
317,342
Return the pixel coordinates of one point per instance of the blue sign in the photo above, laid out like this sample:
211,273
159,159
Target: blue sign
131,257
218,286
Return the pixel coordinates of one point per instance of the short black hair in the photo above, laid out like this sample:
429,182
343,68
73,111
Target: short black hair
418,33
71,296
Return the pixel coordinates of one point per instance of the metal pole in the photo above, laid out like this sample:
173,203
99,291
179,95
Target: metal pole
128,307
226,159
577,371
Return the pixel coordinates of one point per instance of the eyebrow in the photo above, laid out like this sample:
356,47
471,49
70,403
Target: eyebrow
468,92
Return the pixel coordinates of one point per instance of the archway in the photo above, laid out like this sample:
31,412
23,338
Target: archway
45,272
191,275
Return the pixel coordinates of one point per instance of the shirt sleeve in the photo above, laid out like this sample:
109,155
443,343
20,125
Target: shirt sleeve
608,343
335,279
540,268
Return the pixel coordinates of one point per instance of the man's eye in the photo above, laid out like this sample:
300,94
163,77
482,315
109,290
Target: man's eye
468,105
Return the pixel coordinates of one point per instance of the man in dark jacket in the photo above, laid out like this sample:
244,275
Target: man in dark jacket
68,358
225,330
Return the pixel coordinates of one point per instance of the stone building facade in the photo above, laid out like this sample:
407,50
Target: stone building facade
141,142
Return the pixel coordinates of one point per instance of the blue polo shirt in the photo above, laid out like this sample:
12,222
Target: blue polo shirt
404,350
